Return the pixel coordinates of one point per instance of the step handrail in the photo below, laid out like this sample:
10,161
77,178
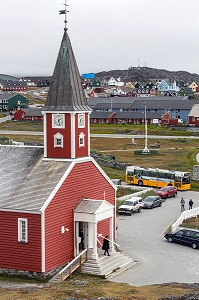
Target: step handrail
100,235
72,261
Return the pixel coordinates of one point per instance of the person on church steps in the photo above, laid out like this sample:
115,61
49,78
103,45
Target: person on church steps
105,245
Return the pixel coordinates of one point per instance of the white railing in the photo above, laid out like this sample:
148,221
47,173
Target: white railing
69,265
184,216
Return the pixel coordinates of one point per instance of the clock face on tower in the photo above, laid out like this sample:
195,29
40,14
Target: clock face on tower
81,120
58,121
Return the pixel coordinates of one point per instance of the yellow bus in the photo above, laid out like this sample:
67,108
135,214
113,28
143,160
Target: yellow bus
158,177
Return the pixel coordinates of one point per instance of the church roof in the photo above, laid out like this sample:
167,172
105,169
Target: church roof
26,179
66,92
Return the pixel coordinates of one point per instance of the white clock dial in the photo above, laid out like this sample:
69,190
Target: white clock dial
58,120
81,120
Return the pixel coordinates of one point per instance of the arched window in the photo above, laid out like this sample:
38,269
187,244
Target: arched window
58,140
81,140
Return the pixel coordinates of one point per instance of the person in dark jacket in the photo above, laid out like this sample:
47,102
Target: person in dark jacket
81,235
105,245
190,204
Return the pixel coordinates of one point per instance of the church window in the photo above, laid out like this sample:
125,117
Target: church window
58,140
82,140
22,230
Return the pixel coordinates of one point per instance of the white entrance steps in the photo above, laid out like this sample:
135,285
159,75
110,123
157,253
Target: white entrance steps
108,266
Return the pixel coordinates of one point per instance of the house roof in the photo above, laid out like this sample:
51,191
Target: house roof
92,206
88,206
194,111
26,179
187,90
137,115
66,92
8,77
110,106
100,114
132,103
33,112
6,95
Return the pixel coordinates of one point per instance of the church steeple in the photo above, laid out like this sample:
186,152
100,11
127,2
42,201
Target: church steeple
66,92
66,113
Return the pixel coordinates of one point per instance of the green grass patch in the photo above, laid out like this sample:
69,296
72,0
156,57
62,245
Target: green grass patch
151,152
122,191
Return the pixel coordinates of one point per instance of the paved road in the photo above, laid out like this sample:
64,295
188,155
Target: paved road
113,136
141,136
141,237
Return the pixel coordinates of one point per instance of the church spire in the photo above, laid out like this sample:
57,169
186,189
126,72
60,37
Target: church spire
66,92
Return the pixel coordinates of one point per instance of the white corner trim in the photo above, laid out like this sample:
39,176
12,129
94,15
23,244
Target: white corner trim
57,187
89,135
73,135
21,211
43,254
45,136
104,174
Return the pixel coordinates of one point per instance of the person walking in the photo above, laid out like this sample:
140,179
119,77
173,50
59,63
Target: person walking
81,235
182,202
190,204
105,245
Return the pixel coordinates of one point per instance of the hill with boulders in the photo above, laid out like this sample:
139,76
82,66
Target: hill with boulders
144,74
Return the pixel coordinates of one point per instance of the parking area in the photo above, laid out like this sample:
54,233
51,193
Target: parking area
141,236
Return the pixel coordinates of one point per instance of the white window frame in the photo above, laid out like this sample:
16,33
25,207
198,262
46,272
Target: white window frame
81,140
21,238
81,116
58,136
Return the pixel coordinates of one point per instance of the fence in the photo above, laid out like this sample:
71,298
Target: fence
184,216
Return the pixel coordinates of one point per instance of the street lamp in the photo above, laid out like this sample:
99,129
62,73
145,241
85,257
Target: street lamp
146,150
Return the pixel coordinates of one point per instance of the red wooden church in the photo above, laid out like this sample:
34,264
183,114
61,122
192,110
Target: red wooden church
48,194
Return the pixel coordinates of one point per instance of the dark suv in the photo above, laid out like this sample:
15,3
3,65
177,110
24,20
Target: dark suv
167,191
188,237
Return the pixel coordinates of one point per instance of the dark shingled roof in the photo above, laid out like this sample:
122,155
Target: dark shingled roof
26,180
66,92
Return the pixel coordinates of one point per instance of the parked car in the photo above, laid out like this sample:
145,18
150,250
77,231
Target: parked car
152,201
117,181
188,237
131,205
167,191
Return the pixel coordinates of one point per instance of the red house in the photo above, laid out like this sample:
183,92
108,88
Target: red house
28,114
193,116
168,120
48,194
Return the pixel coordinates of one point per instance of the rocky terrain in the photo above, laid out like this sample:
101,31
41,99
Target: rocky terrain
144,74
133,74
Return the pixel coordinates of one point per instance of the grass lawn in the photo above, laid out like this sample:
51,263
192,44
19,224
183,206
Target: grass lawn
88,287
174,154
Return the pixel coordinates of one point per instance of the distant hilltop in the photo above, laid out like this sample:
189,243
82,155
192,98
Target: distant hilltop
145,74
136,74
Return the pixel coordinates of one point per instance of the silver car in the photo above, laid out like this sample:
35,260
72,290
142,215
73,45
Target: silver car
152,201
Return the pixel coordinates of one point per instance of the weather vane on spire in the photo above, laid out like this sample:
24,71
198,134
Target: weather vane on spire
64,12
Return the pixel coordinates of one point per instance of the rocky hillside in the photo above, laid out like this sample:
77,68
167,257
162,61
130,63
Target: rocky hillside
144,74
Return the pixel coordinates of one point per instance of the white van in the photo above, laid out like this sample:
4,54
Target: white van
131,205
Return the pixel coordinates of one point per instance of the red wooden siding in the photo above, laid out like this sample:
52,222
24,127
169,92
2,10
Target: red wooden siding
19,115
81,151
64,152
83,181
15,255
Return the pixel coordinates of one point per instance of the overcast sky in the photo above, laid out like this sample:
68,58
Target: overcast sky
105,34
